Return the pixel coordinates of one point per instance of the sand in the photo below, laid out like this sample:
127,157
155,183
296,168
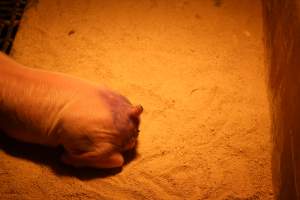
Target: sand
198,69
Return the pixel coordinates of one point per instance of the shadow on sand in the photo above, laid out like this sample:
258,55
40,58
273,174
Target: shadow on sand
50,157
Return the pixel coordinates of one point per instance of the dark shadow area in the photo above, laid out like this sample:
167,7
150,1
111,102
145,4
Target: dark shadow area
218,3
50,157
282,30
11,12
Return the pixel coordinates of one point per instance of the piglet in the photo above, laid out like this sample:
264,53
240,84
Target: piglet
94,124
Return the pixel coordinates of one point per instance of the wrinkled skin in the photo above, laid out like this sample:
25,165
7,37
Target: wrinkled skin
94,124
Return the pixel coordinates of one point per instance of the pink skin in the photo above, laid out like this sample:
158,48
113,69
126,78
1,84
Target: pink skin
94,124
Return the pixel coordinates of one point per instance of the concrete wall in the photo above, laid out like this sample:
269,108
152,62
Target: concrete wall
282,28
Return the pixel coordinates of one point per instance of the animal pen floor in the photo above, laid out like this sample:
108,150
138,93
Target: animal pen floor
197,67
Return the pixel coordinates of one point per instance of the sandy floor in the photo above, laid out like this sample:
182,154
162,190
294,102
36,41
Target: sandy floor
197,67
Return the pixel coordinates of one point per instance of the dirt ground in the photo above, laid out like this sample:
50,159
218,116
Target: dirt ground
197,67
